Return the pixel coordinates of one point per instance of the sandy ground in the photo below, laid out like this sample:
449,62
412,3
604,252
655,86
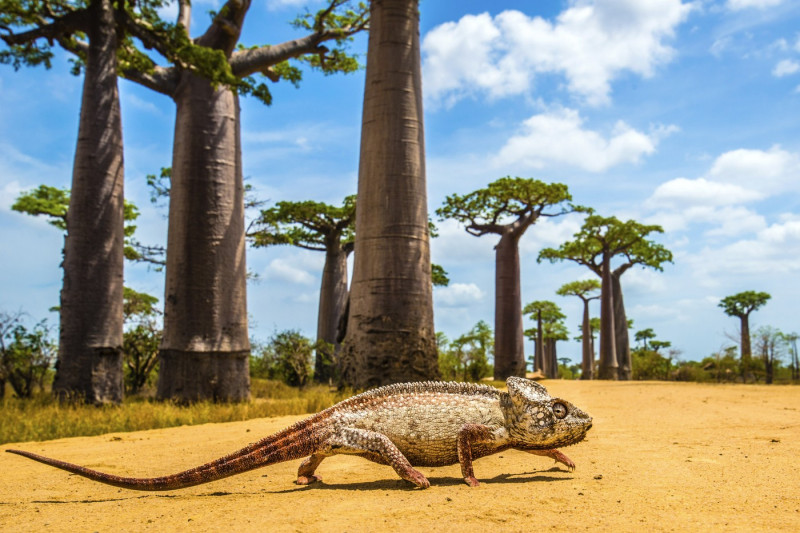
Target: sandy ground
660,457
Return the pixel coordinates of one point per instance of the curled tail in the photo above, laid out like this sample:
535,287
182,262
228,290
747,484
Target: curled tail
294,442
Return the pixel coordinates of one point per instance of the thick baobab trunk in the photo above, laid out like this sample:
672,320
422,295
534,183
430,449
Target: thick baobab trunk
509,356
609,368
205,349
621,338
538,357
332,301
553,359
587,357
747,354
390,335
90,343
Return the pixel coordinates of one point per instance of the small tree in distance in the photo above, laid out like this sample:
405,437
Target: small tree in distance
140,339
595,245
324,228
548,317
741,305
507,207
582,289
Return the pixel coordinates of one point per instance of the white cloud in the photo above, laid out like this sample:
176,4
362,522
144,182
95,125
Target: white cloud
737,5
682,192
717,199
590,44
287,270
785,68
455,246
8,195
458,294
644,281
550,232
772,171
773,251
558,137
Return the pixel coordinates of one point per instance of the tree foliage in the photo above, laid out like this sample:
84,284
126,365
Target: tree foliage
286,357
600,235
53,204
141,338
308,224
517,202
582,288
547,311
743,303
26,355
467,357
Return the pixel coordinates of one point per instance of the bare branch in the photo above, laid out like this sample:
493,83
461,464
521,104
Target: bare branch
65,25
162,80
185,14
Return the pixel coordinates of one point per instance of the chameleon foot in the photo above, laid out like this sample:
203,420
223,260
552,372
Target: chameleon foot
308,480
472,482
416,477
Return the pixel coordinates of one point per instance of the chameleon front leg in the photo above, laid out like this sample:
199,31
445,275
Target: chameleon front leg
375,447
556,455
305,474
469,435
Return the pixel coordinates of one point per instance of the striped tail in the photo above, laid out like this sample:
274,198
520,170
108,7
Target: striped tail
294,442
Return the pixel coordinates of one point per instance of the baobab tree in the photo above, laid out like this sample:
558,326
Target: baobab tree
507,207
583,288
99,33
595,245
741,305
390,335
319,227
549,329
205,350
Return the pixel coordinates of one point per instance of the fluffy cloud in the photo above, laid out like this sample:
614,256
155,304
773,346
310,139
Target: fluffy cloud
558,137
717,199
737,5
590,44
458,294
773,250
736,177
682,192
772,171
785,68
293,269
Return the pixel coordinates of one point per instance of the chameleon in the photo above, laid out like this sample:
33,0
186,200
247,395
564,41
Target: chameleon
401,425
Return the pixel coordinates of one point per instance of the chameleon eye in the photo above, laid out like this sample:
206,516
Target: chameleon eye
560,410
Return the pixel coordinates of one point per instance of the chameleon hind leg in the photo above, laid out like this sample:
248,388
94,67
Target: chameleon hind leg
305,474
376,447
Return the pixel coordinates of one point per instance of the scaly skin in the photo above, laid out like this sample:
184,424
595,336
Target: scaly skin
403,426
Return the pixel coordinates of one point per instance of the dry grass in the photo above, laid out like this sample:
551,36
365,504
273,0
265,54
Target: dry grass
42,418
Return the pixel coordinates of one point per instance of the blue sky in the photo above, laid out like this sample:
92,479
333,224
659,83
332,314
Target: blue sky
678,113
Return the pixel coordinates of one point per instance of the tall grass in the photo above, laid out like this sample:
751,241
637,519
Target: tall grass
42,418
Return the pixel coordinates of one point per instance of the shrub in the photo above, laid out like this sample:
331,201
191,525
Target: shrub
287,357
25,355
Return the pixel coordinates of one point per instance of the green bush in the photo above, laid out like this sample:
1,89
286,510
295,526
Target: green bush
25,355
287,357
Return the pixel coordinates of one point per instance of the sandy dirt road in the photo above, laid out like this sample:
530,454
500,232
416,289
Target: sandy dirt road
660,457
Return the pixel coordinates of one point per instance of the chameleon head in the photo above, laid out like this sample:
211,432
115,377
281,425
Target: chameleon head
536,420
